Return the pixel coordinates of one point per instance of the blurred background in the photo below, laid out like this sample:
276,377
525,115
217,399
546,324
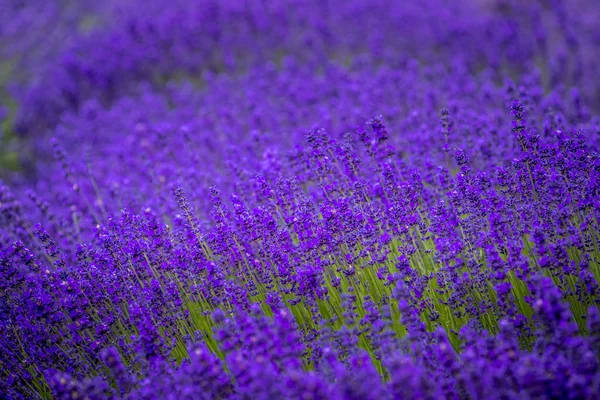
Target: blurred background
57,54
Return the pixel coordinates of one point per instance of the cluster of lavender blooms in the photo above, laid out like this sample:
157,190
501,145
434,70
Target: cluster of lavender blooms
308,200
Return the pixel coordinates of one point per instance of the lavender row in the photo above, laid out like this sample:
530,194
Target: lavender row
335,260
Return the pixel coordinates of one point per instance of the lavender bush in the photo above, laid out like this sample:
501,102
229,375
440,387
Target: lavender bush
303,200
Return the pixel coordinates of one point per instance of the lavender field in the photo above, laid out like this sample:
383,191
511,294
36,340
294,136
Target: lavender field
303,199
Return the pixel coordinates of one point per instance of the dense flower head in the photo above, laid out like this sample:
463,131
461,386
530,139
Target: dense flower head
301,200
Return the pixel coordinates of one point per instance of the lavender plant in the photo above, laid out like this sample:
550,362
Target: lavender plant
214,212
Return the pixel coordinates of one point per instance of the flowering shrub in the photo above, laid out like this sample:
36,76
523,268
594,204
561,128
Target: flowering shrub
312,200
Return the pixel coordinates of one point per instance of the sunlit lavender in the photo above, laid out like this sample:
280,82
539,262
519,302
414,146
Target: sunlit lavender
310,199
